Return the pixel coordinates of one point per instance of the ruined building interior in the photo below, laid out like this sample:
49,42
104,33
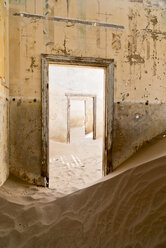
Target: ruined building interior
83,123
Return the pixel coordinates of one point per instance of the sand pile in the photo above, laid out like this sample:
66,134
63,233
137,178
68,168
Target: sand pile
125,210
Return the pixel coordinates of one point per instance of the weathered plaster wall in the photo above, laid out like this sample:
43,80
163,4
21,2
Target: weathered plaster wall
4,92
140,67
89,116
77,113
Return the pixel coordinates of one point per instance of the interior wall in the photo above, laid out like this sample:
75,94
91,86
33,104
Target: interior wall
77,113
140,66
89,116
77,80
4,92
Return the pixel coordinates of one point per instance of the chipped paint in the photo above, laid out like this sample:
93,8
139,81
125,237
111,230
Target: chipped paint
135,59
33,64
130,32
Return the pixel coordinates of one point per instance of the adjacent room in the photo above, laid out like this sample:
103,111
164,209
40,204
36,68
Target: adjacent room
76,126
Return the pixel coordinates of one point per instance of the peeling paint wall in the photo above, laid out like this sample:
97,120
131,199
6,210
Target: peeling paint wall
4,92
140,68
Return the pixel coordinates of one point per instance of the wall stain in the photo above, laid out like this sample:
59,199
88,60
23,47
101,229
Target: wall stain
19,103
129,129
116,42
154,20
98,29
33,65
135,59
64,45
63,50
148,50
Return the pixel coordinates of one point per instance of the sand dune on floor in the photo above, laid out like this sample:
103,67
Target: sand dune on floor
124,210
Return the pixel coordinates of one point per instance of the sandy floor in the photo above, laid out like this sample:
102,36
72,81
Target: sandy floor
126,209
74,166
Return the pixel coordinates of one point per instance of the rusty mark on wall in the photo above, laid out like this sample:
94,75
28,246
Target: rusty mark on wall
116,41
135,59
148,50
33,65
154,20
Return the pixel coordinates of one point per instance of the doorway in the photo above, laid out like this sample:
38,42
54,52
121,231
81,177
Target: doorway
89,81
89,118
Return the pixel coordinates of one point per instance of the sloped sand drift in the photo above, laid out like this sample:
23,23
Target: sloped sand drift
124,210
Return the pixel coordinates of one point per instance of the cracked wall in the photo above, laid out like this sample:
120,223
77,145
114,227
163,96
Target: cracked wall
4,92
140,66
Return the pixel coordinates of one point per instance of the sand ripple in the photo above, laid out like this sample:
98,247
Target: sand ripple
127,210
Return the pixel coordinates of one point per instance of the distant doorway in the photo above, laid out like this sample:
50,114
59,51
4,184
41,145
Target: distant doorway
68,166
86,98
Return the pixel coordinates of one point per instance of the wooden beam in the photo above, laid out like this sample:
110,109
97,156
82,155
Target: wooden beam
45,124
109,118
75,60
79,95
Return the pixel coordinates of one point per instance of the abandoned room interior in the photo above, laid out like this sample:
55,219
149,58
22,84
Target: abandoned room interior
83,123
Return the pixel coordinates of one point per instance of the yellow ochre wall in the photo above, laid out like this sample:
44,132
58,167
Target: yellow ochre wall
140,66
4,92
